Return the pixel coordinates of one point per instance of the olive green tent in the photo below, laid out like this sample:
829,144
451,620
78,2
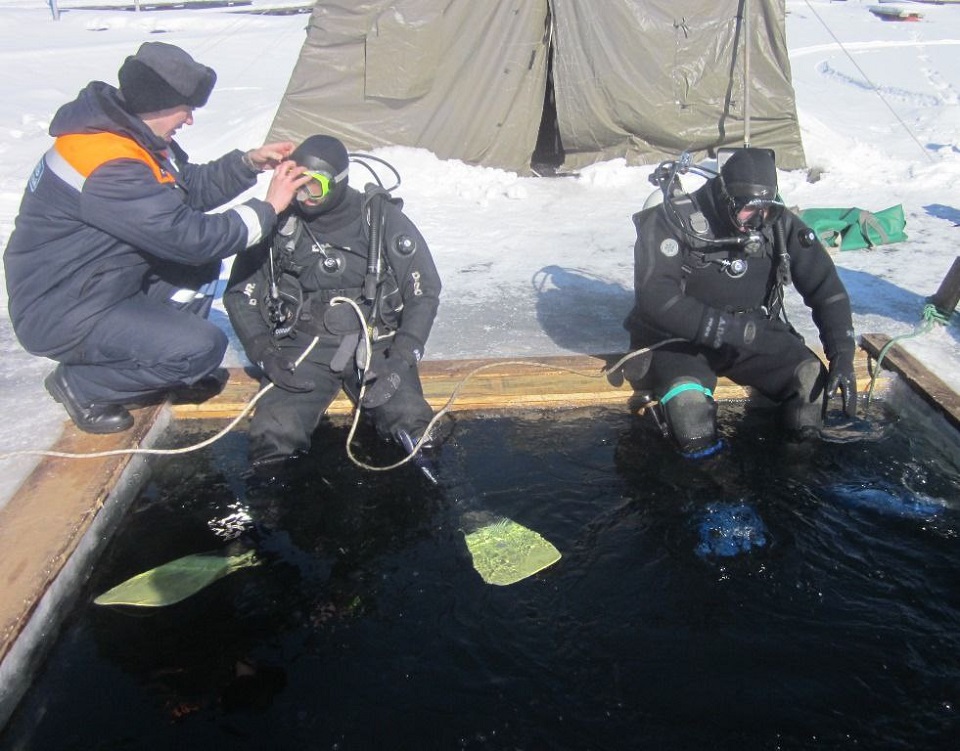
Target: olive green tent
508,83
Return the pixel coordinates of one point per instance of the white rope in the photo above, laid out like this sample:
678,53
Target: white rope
357,410
160,452
479,369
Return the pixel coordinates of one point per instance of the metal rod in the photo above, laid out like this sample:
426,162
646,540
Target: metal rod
746,74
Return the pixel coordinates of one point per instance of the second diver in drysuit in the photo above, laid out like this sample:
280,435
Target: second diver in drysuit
709,272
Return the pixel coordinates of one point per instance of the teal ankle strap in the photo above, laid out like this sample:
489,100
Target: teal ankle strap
680,388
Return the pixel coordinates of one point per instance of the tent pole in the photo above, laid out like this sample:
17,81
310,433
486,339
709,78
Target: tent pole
746,74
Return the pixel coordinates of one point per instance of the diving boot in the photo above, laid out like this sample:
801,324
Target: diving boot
90,418
689,417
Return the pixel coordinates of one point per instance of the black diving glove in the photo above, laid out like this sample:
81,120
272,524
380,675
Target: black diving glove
747,331
841,376
280,369
633,370
384,377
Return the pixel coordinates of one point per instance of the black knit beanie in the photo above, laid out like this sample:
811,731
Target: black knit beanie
750,173
161,76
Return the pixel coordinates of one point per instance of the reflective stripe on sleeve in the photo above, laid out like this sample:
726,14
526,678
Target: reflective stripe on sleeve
252,222
64,170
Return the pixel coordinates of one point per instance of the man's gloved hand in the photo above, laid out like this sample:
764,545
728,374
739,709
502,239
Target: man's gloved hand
841,376
383,377
280,369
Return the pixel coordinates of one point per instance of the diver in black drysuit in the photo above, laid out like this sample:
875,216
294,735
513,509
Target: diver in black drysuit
699,280
279,299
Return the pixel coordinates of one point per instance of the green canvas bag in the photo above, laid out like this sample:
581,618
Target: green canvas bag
853,229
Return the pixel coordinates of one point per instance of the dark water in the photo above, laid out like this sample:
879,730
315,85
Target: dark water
834,623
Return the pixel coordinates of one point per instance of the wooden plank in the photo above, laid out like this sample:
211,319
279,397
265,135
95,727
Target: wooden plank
480,385
943,399
42,524
488,385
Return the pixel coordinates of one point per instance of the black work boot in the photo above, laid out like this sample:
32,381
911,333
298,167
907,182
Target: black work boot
90,418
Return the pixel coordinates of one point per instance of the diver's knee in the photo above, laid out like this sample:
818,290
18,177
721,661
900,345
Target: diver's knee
690,415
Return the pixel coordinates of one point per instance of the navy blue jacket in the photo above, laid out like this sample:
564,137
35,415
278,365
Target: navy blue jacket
108,201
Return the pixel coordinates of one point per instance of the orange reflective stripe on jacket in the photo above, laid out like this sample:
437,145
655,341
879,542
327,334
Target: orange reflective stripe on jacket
87,151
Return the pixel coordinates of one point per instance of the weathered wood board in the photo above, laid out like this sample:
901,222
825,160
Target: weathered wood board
931,389
42,524
501,384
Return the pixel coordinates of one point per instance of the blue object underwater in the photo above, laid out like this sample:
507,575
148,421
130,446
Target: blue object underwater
886,500
729,529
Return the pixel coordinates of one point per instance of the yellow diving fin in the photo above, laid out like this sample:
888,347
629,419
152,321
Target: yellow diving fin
176,580
505,552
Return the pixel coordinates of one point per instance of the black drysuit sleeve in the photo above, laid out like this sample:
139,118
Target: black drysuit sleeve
660,302
816,279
